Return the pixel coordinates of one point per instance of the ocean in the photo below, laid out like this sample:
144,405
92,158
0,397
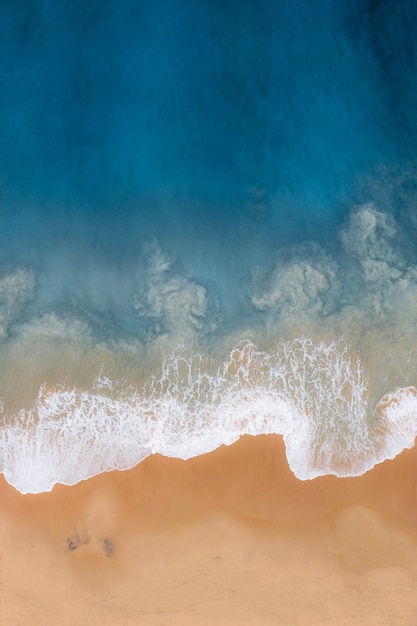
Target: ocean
208,229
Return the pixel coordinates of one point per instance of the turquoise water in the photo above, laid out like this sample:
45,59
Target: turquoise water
207,228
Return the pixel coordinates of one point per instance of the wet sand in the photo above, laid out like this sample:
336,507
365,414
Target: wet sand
229,538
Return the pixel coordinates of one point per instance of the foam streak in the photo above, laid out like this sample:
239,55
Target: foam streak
314,394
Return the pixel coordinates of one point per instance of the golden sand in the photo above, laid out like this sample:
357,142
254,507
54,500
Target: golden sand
229,538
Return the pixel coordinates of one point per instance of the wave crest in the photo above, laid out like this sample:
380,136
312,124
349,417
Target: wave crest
313,394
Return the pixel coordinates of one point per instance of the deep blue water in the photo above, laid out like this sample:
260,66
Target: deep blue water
179,172
223,129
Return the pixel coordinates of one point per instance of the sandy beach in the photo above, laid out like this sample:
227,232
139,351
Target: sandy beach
229,538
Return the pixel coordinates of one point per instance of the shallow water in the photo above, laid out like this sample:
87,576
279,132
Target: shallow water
207,229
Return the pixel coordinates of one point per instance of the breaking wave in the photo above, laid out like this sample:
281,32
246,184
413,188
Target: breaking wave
314,394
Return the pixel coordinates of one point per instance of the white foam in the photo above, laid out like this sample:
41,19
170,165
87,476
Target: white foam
314,394
398,425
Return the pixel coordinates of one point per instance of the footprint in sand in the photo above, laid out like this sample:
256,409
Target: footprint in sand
72,543
76,540
108,546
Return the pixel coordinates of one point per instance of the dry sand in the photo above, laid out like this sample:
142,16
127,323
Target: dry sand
228,538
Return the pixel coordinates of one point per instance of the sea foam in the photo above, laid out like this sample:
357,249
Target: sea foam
63,422
314,394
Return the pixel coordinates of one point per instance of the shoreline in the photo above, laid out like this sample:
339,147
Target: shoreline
230,537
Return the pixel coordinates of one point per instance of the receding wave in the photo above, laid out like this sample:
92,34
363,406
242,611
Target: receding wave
315,394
